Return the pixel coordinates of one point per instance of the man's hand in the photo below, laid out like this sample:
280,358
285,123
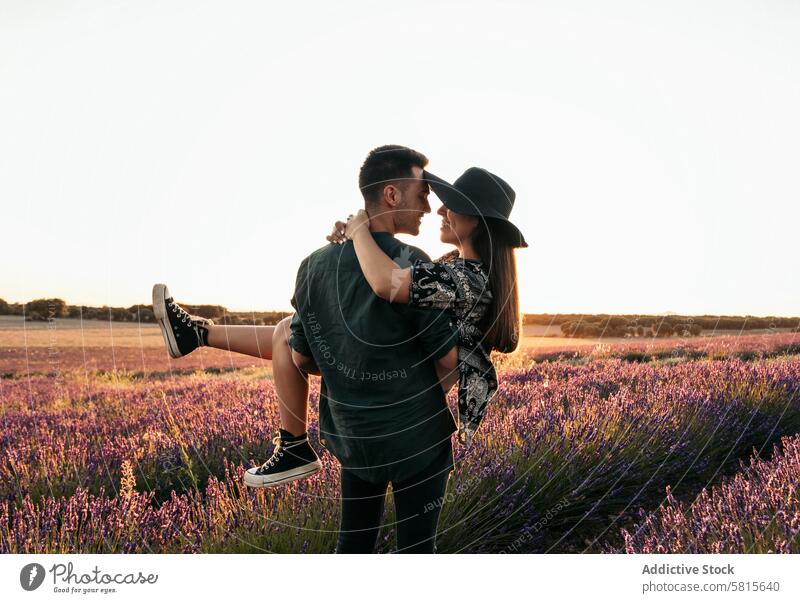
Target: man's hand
305,363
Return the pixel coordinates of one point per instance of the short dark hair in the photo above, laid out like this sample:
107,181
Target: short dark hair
385,164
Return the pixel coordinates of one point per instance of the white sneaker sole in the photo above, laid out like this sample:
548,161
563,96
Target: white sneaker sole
161,293
268,481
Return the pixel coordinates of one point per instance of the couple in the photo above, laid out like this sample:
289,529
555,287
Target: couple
390,332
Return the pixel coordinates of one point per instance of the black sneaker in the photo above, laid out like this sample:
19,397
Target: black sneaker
182,331
292,459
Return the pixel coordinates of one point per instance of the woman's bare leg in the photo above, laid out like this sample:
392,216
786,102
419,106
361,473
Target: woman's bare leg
183,333
253,340
291,384
293,458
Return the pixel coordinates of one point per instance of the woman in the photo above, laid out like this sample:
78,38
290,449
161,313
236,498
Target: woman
476,283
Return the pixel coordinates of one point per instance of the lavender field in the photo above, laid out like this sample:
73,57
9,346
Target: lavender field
754,511
677,448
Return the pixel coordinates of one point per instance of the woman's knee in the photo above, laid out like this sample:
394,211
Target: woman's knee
280,336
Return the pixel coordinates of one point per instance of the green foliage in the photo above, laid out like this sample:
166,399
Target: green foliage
46,309
572,325
649,320
205,311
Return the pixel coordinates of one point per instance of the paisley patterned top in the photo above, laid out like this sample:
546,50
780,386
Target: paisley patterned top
461,287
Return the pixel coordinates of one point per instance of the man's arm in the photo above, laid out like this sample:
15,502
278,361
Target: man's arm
301,350
447,369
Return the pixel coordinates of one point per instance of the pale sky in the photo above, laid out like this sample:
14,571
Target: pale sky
654,146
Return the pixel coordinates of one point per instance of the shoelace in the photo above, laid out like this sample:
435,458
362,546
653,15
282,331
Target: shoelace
279,448
182,314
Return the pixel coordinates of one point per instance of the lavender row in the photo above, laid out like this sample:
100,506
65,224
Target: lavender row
744,347
755,511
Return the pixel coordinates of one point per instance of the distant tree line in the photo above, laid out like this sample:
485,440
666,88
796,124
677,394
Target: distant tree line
572,325
620,325
47,309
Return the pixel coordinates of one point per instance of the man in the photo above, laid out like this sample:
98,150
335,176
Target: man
382,411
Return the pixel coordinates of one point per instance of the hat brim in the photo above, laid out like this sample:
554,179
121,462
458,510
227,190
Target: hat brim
509,232
453,199
456,201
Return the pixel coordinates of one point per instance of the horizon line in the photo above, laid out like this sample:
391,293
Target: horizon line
523,312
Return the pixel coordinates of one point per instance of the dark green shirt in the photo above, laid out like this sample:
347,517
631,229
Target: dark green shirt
382,412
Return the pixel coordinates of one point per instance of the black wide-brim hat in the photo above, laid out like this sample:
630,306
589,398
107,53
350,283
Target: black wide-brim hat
478,192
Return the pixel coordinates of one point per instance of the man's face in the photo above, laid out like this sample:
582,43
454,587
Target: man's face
413,203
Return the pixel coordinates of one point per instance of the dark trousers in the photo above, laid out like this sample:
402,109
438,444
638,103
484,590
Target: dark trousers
417,504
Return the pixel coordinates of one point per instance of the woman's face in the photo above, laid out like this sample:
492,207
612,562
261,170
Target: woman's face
456,228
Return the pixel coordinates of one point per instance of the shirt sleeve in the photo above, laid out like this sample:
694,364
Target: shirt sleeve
298,340
436,330
433,285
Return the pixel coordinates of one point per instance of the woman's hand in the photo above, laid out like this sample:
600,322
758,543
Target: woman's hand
356,224
337,234
343,231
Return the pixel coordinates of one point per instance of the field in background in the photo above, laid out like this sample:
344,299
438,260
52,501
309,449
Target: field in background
69,344
72,345
590,446
584,454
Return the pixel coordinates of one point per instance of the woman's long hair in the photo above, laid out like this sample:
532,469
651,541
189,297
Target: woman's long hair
501,325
